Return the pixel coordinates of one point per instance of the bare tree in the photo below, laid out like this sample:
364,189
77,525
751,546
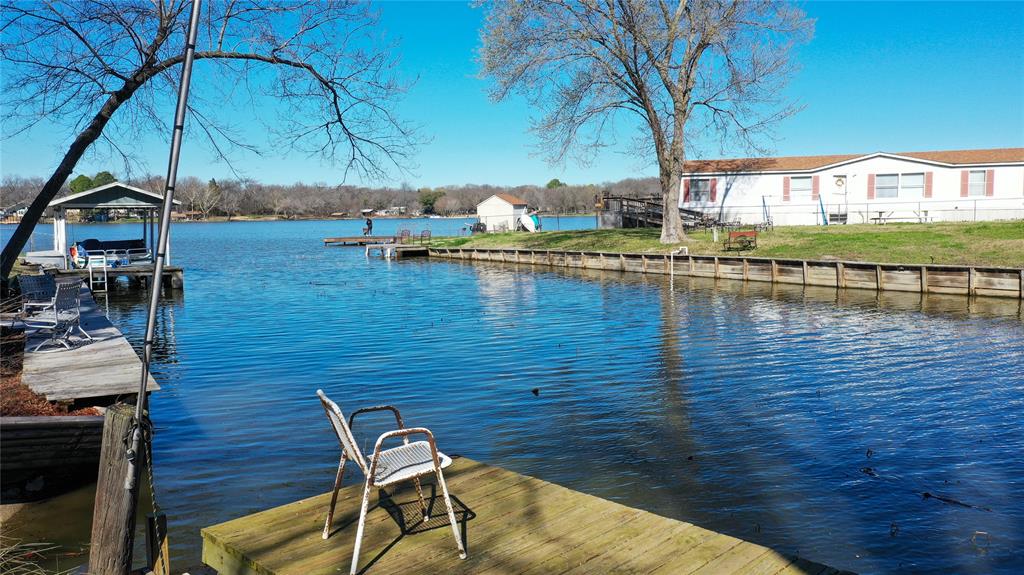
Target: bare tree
675,69
105,69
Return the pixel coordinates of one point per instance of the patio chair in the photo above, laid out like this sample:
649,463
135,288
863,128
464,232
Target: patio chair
37,292
409,461
404,236
61,317
425,237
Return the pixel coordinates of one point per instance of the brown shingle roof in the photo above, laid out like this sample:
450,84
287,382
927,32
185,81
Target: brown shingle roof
512,199
998,155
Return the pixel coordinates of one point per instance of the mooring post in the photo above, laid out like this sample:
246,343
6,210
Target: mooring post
110,545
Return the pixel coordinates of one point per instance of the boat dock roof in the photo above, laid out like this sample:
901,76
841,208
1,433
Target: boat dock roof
514,524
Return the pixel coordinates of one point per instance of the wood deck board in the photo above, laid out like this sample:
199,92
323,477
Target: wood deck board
517,524
106,366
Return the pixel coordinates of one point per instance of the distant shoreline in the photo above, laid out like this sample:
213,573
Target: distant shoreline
223,219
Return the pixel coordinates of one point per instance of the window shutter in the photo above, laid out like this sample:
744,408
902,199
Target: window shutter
963,183
928,184
686,189
815,189
871,186
714,190
785,189
990,183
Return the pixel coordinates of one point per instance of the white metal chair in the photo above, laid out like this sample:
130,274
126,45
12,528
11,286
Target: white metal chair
37,292
387,467
60,317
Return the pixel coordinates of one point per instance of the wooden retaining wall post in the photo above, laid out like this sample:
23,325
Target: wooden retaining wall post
775,271
840,275
746,269
805,274
878,278
924,279
716,267
110,550
971,281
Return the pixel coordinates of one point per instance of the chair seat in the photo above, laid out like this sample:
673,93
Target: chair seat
405,462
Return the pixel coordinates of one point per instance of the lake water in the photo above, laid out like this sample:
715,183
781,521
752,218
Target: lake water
812,421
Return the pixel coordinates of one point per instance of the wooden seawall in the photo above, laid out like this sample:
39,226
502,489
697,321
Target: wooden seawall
512,524
962,280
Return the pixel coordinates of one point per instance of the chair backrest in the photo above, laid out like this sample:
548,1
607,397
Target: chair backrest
341,429
37,288
68,297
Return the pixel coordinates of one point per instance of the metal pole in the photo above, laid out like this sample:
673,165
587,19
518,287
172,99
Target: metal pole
132,476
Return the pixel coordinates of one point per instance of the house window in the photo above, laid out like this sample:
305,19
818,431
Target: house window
911,185
976,183
700,190
800,188
886,185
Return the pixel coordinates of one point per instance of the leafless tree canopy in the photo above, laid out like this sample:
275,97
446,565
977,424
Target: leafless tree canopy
106,71
320,61
674,70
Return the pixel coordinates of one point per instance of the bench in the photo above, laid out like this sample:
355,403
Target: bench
746,240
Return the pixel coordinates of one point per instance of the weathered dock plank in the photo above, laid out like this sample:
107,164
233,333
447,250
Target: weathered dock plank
104,367
513,524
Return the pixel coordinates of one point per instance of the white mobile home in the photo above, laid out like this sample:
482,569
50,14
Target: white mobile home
961,185
501,212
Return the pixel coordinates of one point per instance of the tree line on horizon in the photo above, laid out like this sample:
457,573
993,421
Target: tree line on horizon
248,197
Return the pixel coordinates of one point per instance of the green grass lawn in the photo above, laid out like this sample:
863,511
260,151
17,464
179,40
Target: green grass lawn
975,243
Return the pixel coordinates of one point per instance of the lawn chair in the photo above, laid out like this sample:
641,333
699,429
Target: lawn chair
404,236
37,292
387,467
424,237
61,317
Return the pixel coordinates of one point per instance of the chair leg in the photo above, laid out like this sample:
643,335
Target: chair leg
451,513
334,496
84,333
362,523
423,504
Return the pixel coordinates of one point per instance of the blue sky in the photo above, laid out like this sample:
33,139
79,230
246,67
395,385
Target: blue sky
877,76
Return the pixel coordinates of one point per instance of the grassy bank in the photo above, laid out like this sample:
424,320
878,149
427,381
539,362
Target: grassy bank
975,243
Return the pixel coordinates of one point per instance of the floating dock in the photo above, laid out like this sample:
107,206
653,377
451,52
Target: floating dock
511,523
103,368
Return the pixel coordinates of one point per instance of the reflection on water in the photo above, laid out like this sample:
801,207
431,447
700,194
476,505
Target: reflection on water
808,419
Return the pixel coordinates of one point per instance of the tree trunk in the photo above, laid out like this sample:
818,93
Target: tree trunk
670,175
52,186
671,223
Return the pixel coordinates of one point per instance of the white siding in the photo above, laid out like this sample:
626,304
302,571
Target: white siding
739,196
498,214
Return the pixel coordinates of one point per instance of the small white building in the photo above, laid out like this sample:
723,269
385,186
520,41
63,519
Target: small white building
501,212
959,185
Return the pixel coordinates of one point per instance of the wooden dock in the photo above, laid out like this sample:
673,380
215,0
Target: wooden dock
358,240
397,251
512,524
174,277
105,367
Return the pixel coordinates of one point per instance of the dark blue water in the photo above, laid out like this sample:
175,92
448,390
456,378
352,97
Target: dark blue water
807,420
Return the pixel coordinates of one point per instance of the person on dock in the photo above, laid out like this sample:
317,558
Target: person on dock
368,231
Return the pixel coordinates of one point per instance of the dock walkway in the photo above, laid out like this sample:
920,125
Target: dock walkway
107,366
358,240
512,523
